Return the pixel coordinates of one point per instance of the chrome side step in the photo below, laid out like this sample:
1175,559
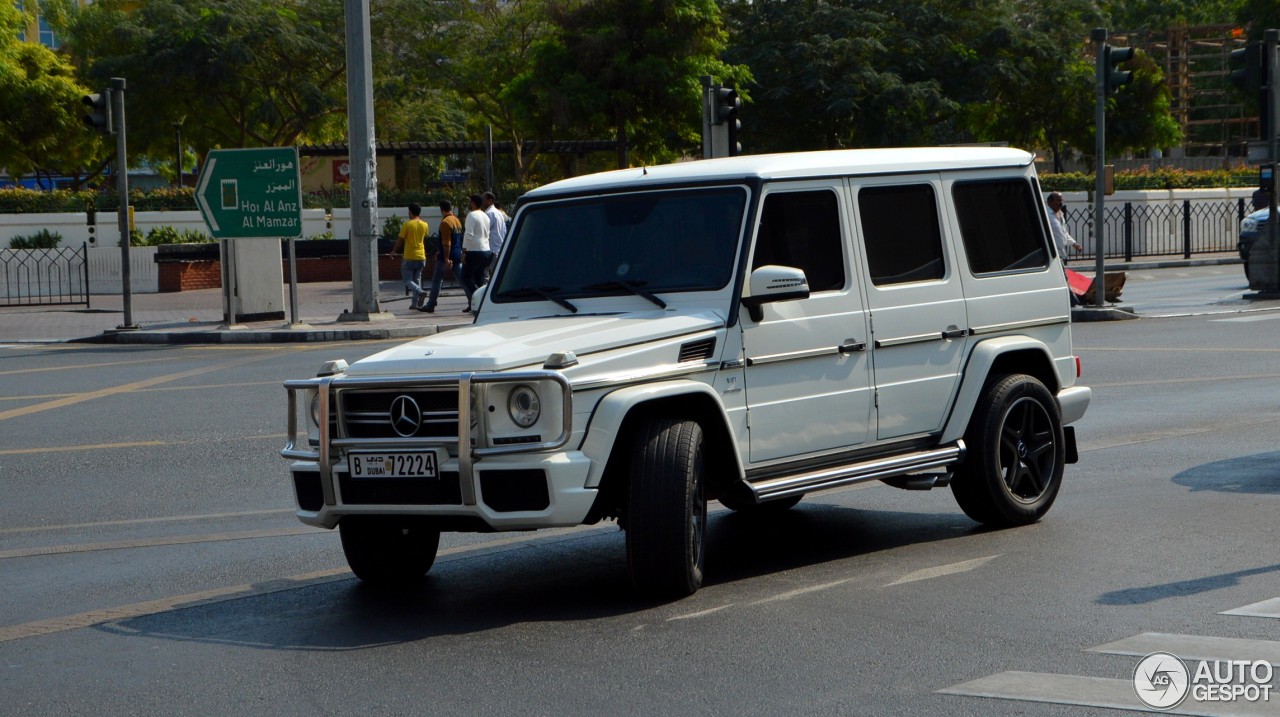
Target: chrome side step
783,486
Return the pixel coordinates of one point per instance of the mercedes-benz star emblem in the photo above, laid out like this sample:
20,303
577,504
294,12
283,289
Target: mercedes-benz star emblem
405,416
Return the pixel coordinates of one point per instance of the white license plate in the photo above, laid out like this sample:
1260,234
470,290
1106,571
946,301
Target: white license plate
419,464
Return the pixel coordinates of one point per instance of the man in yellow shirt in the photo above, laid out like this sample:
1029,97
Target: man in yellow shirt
412,234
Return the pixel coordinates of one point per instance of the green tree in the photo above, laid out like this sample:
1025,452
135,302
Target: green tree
630,68
40,127
236,73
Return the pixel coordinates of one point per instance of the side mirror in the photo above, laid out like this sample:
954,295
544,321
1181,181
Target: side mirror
773,283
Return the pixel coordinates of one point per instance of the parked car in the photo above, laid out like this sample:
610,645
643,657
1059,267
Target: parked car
748,329
1251,227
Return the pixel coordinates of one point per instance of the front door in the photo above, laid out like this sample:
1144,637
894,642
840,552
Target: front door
808,375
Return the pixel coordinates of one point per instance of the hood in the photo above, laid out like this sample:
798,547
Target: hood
527,343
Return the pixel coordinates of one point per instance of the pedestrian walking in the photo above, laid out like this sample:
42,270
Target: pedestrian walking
1058,224
413,234
497,229
476,254
449,259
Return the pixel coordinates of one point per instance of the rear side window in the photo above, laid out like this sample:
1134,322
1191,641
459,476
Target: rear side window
802,230
1001,226
901,232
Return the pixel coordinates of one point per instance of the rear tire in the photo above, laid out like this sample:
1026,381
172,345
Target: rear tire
667,509
1016,454
388,550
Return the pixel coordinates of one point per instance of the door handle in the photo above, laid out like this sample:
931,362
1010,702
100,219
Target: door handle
852,347
955,333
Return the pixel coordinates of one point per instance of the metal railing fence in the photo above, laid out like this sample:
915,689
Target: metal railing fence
1160,229
44,277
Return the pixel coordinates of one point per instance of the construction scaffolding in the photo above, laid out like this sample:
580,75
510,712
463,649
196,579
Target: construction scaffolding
1215,120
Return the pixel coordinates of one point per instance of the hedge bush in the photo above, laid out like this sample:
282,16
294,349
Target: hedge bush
26,201
43,239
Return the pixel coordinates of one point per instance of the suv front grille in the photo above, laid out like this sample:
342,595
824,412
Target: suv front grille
368,413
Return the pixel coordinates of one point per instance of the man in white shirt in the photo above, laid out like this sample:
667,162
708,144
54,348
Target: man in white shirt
476,254
497,228
1057,223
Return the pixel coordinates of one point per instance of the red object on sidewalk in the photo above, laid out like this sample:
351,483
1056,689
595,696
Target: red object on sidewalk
1078,282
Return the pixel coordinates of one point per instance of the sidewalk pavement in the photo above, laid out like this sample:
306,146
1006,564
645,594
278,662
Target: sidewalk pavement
196,317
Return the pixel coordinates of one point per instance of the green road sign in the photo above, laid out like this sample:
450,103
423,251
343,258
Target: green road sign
251,193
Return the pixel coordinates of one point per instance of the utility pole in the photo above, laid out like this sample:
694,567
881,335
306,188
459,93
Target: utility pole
364,167
1272,112
122,189
1099,36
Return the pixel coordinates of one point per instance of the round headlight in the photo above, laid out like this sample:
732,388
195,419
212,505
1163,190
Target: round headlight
315,410
524,406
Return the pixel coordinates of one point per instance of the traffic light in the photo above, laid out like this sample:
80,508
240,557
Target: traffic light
1251,75
1114,77
727,105
99,116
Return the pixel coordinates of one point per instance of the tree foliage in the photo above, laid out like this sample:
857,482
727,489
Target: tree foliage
234,73
625,68
817,74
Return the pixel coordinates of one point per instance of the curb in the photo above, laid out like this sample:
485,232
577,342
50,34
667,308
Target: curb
1170,264
260,337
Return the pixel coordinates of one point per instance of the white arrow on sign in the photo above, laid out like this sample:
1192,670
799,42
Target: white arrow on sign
204,203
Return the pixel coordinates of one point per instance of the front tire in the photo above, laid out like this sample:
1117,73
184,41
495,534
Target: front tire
1016,455
667,509
386,550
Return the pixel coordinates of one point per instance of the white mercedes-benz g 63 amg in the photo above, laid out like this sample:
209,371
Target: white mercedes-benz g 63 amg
748,329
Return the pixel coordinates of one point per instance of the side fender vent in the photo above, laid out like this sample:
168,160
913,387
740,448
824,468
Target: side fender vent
700,350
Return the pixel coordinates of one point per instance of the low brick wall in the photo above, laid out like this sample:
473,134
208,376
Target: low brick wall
188,267
189,276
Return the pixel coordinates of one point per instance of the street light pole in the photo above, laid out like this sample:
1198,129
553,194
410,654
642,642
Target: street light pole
177,129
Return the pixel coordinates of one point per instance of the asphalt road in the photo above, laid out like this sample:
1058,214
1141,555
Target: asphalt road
150,564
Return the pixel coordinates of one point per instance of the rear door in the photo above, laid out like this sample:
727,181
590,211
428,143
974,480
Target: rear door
914,293
808,375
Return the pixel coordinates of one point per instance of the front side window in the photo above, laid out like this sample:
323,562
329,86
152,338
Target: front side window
802,230
1000,225
661,241
901,232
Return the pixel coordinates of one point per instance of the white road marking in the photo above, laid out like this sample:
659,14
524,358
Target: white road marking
929,573
801,591
1194,647
1266,608
1247,319
700,613
1092,692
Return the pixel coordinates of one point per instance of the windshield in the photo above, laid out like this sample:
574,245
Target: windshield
626,244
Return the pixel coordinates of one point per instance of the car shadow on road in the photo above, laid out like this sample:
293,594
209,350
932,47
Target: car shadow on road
1258,473
576,580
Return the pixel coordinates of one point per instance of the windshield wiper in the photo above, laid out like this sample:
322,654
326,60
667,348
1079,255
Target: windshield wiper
632,286
540,292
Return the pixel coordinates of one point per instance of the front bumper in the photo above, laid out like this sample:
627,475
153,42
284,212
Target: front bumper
511,493
520,484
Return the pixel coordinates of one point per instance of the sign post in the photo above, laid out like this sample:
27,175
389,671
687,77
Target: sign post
251,193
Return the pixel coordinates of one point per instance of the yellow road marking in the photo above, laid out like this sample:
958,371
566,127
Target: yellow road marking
176,602
99,446
1198,379
1168,349
156,542
77,367
141,521
124,388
